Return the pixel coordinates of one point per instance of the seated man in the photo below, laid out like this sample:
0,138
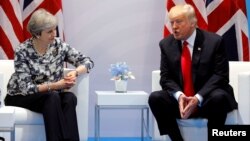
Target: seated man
194,76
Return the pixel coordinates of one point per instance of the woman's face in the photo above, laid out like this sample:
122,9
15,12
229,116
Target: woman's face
47,36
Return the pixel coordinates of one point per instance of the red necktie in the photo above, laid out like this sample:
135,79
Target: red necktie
186,63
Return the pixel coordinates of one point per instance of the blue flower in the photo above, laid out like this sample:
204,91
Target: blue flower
120,71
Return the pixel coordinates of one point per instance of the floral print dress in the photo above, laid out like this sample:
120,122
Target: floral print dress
32,69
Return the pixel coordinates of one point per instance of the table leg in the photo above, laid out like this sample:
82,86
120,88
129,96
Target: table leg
142,124
147,126
12,134
97,123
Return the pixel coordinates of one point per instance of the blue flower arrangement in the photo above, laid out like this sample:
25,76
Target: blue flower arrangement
120,71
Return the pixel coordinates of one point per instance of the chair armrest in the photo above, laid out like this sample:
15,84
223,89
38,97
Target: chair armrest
81,90
244,98
156,80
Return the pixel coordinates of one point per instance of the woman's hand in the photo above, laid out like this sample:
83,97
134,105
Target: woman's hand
72,75
67,82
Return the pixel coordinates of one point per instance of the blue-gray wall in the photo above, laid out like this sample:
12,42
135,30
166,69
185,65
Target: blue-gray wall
116,30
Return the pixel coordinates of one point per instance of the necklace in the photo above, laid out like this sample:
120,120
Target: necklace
39,50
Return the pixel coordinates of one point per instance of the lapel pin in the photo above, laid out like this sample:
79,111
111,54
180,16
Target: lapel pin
199,48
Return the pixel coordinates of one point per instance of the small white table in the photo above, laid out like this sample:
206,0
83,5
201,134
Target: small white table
7,121
128,100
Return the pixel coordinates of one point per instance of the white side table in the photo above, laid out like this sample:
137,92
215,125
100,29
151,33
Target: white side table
7,121
128,100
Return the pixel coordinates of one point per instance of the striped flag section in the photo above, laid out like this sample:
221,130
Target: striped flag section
224,17
11,27
14,16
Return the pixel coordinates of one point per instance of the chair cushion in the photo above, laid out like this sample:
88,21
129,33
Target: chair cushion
27,117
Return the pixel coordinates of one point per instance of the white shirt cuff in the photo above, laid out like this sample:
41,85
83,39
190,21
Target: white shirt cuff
178,94
200,98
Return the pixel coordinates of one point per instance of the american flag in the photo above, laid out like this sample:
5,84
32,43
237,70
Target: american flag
227,18
14,16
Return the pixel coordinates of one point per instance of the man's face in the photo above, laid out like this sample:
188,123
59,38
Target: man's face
182,28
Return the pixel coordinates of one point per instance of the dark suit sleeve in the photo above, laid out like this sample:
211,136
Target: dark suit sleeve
169,81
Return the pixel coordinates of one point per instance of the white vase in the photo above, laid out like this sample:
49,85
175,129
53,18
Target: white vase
121,86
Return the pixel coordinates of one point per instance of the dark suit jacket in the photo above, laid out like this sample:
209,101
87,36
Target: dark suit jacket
210,65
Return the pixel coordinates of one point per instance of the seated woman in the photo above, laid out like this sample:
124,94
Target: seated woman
38,82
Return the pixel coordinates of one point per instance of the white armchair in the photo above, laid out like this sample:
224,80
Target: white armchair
28,125
196,129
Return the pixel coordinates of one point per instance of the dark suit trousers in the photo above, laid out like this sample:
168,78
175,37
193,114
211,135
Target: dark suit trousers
166,110
58,110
